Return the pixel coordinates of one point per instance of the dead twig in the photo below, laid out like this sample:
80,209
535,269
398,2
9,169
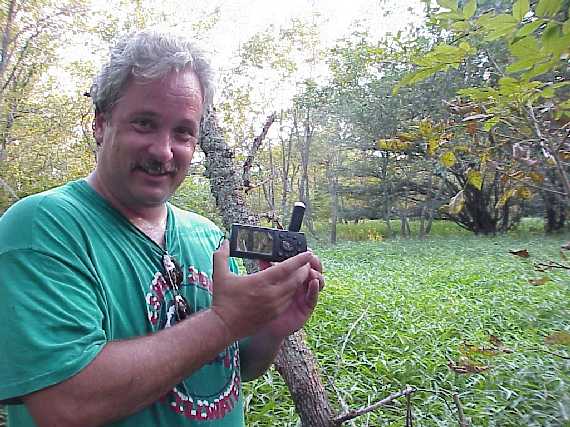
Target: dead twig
556,354
545,266
345,341
460,413
358,412
256,144
409,415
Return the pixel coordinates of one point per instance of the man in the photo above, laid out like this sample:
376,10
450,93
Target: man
119,308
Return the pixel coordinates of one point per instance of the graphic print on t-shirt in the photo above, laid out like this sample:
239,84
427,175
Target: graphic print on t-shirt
198,397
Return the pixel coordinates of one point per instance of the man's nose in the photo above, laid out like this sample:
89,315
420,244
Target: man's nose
161,147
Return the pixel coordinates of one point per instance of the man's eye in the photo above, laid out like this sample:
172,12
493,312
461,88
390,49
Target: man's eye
143,124
185,133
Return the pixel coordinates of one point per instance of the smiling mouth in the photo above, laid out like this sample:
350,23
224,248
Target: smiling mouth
156,168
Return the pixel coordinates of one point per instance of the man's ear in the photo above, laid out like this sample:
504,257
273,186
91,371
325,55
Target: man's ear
99,124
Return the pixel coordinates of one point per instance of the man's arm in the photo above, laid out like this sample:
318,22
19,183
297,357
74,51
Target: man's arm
128,375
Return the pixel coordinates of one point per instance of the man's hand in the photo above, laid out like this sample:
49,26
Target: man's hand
278,299
302,304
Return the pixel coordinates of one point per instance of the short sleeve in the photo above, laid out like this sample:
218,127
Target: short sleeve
52,321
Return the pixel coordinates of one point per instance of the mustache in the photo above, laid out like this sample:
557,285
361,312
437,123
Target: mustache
155,167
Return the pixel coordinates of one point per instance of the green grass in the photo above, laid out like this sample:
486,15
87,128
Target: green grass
378,230
411,305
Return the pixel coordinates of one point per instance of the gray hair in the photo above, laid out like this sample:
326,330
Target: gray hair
149,55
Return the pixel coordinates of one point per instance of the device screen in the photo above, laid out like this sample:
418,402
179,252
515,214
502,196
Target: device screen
257,241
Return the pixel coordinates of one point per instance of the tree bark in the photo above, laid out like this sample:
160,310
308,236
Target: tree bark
333,185
295,361
298,367
304,186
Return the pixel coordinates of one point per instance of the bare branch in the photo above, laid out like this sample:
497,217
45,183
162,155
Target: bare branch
556,354
460,413
358,412
344,342
256,144
9,189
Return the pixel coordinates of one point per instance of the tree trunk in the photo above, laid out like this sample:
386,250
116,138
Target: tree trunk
427,209
295,362
304,190
387,206
298,367
554,213
286,151
333,185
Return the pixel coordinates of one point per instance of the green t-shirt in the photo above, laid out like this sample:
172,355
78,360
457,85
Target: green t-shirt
75,274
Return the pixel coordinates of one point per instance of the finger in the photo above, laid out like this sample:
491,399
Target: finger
286,268
221,266
316,263
312,294
316,275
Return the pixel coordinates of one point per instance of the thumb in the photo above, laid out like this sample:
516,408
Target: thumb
220,261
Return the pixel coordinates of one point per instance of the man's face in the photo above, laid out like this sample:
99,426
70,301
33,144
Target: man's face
147,143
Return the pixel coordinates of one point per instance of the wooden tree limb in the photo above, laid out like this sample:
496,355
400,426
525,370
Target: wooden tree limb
543,140
9,189
256,144
295,362
358,412
298,367
460,413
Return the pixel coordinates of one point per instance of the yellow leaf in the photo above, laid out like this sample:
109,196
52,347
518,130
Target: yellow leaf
524,193
448,159
475,179
457,203
433,145
558,337
565,155
425,127
404,136
539,282
536,177
505,197
393,144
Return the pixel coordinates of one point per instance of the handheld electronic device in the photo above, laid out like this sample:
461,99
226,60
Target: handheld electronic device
270,244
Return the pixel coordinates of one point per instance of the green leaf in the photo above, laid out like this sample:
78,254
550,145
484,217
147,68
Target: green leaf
529,28
540,69
548,7
522,65
566,27
490,124
469,9
526,48
557,43
498,26
461,26
520,9
466,47
448,4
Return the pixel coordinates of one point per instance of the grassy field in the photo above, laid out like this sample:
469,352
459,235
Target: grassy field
398,312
